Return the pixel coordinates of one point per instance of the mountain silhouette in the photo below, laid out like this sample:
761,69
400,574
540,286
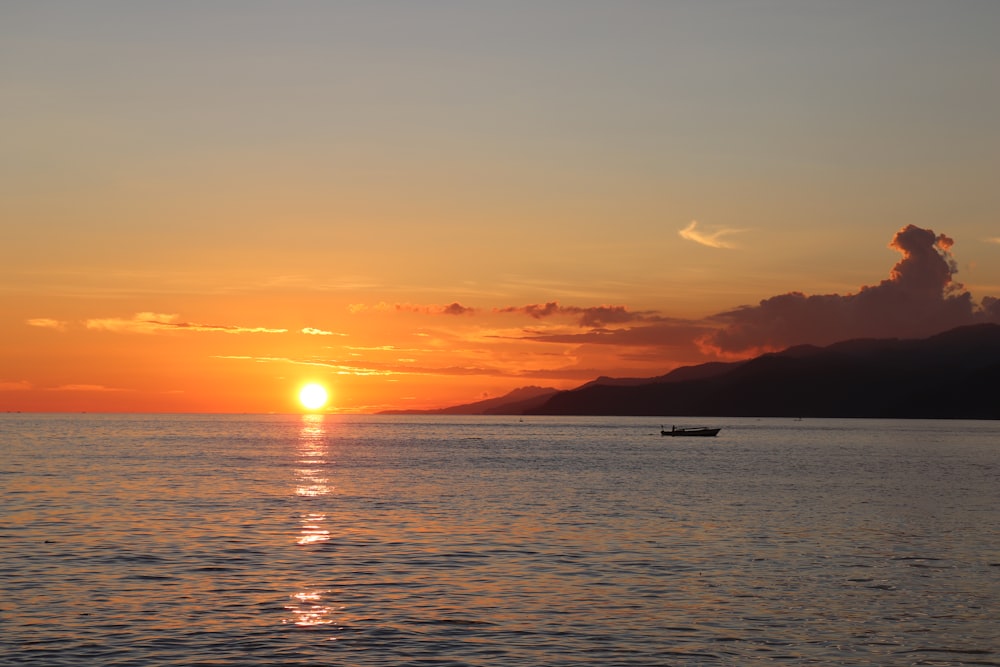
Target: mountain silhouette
955,374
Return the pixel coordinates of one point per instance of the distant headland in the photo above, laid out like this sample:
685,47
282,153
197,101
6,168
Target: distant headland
952,375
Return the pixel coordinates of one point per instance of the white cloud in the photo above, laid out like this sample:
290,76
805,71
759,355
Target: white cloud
320,332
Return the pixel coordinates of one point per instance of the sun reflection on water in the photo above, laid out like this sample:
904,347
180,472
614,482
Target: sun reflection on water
312,530
308,607
313,454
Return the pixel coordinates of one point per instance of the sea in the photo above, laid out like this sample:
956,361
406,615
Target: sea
503,541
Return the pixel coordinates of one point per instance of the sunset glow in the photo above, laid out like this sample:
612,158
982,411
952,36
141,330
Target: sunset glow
202,206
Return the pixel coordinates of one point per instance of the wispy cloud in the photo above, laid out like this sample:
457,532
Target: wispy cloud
453,308
995,239
336,366
408,367
355,308
148,323
712,239
48,323
85,387
16,385
320,332
590,316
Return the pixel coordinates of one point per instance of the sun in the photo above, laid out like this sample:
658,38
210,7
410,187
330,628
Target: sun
313,396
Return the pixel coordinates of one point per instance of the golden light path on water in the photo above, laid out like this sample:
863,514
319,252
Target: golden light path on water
307,606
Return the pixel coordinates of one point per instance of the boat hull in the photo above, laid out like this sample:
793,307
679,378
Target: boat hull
691,432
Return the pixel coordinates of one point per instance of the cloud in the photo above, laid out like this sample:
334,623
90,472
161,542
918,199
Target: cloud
453,308
995,239
148,323
47,323
139,323
84,387
338,367
456,308
667,333
593,316
407,367
16,385
990,309
668,341
919,298
320,332
711,239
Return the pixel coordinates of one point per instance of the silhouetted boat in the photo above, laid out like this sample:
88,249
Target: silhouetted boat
702,431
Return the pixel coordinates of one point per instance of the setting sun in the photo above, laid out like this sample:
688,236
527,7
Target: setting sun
313,396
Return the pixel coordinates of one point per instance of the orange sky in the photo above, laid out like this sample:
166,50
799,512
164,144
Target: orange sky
421,205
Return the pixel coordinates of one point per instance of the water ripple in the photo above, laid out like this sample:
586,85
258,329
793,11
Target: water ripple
198,540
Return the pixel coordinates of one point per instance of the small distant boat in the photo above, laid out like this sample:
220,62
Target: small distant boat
702,431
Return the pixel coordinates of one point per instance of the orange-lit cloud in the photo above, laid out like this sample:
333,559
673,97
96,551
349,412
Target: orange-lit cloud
337,367
712,239
16,385
48,323
85,387
406,366
148,323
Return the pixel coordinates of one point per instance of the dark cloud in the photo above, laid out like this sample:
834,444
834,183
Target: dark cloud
990,309
593,316
666,333
919,298
453,308
668,341
456,309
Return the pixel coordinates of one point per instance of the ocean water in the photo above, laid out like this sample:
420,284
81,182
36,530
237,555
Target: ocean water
369,540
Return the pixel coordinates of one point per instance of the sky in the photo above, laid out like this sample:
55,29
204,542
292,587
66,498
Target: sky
204,206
